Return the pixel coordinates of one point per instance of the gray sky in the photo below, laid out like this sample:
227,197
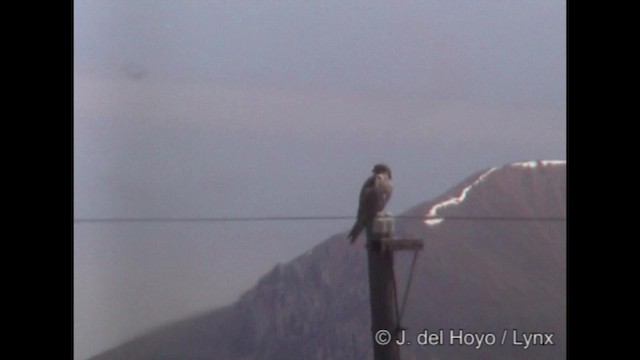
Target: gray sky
274,108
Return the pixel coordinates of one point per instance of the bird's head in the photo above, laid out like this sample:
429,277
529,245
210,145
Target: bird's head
382,169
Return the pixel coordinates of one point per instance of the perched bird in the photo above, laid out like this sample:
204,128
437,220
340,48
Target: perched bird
374,195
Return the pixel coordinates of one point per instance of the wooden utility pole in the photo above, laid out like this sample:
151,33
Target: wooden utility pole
382,290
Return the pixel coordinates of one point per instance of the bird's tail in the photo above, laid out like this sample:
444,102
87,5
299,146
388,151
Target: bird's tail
355,231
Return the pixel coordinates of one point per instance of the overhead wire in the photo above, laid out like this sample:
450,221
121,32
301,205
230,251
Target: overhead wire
310,218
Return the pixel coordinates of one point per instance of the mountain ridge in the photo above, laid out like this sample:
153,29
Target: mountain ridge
316,306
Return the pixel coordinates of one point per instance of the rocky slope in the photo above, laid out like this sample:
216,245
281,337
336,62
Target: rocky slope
480,276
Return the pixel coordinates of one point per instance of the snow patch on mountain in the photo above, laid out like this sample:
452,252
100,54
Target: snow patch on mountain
527,164
433,220
534,164
553,162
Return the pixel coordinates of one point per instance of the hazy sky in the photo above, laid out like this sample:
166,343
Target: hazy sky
275,108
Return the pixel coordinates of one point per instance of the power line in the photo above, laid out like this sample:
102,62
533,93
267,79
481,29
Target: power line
215,219
312,218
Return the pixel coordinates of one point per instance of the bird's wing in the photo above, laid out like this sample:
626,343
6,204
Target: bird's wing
368,199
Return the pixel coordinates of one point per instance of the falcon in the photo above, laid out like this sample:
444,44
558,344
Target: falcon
374,195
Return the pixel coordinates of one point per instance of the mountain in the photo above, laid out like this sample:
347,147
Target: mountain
487,269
